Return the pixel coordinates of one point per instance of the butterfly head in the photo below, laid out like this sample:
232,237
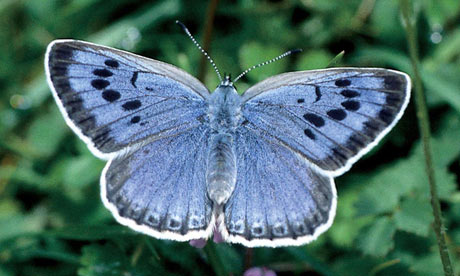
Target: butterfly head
227,81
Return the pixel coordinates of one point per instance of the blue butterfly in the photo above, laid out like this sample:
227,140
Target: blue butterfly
182,160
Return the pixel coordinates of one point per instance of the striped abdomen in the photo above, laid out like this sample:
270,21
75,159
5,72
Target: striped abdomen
221,170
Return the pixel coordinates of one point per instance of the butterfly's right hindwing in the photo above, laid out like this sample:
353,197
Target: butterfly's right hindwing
113,99
160,188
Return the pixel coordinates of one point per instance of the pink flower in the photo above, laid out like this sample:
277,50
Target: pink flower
259,271
199,243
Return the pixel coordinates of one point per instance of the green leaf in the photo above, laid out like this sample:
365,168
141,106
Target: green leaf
343,233
314,59
377,239
428,265
254,53
16,224
46,132
414,216
108,260
405,176
79,173
91,232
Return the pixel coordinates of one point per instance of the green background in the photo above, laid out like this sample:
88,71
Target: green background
52,221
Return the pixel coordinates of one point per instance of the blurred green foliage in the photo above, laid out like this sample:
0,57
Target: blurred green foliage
52,221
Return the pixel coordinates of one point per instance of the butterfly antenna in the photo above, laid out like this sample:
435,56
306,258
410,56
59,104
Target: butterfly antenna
290,52
199,47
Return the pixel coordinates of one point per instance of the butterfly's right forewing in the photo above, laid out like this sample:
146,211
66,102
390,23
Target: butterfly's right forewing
114,99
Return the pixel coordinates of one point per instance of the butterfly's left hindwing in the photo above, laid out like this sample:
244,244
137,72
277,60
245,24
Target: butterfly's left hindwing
114,99
331,117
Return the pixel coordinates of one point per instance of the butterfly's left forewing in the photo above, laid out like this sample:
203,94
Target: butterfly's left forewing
331,117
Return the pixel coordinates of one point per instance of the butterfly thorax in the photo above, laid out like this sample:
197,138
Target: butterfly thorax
224,109
224,114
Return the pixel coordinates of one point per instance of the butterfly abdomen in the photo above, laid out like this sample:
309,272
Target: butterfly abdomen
221,169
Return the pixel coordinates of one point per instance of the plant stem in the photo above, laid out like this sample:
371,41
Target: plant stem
212,6
424,128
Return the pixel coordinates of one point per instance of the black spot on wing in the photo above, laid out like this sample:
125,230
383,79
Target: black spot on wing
337,114
347,93
135,119
61,51
318,93
56,60
394,82
351,105
355,143
343,82
110,95
372,128
102,73
314,119
58,69
394,99
387,115
300,100
99,84
112,63
134,78
132,105
309,134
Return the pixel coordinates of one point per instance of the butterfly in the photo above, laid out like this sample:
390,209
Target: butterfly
183,161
